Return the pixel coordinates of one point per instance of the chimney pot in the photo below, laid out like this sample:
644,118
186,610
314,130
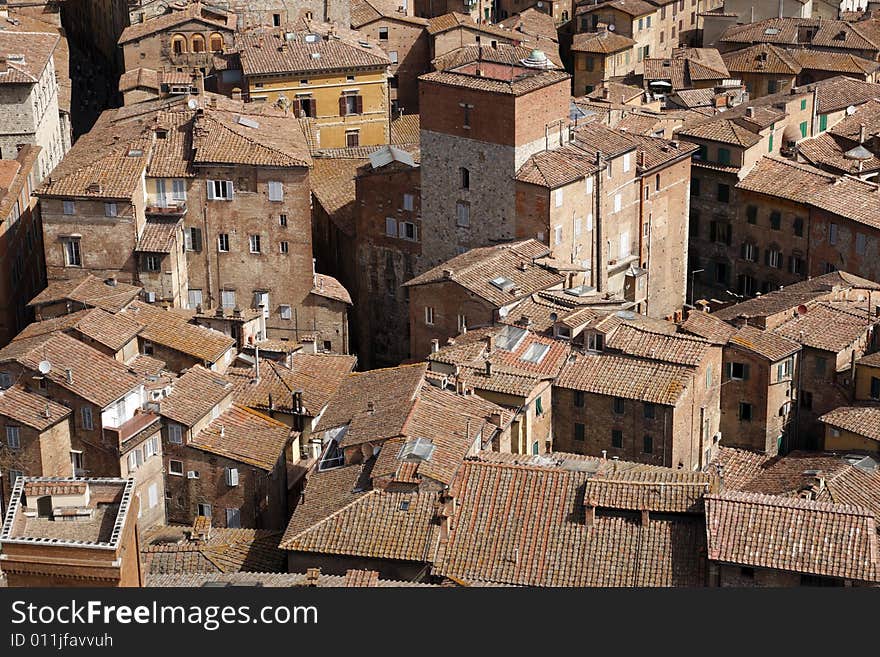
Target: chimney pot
435,346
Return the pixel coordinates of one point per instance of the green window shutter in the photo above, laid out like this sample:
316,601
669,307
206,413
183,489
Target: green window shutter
823,122
804,129
539,407
770,145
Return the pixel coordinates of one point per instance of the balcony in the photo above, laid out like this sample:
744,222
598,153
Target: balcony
165,206
139,422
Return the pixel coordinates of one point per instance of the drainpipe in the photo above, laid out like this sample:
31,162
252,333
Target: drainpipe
598,259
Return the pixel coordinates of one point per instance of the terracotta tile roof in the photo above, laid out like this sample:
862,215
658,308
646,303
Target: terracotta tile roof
770,345
794,295
278,580
194,394
785,31
624,376
169,551
860,420
531,531
158,235
765,59
475,269
502,380
452,422
364,12
112,331
739,466
31,409
377,524
631,7
452,20
405,129
511,79
194,11
375,405
542,313
871,360
840,92
60,323
597,137
557,167
60,54
172,155
502,53
828,151
845,196
329,287
34,48
244,435
326,492
725,131
803,536
832,61
95,377
333,184
823,476
318,376
139,77
277,55
146,365
603,42
677,348
263,140
708,327
170,330
671,491
534,23
867,114
828,326
89,291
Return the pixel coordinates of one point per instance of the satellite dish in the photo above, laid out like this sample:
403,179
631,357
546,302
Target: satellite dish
850,110
802,309
45,367
193,104
611,28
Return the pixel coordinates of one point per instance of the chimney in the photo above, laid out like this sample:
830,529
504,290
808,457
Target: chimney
371,407
447,273
4,64
641,159
222,431
862,133
459,386
111,281
490,343
750,112
589,514
495,418
69,373
488,368
46,411
646,516
435,346
312,576
256,363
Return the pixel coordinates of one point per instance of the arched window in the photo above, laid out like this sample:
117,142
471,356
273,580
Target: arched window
464,177
216,42
198,43
178,44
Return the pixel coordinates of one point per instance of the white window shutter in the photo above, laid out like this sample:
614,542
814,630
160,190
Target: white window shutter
211,196
401,229
390,226
229,191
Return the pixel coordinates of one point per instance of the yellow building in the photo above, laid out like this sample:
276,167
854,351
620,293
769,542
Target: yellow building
868,378
339,81
852,429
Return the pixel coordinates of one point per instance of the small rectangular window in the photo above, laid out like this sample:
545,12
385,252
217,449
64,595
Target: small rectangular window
254,243
204,509
649,411
227,299
284,246
86,415
69,207
282,219
175,434
619,405
391,226
579,398
175,467
109,209
648,445
285,312
276,191
408,202
745,411
429,315
579,432
223,242
13,437
462,214
616,438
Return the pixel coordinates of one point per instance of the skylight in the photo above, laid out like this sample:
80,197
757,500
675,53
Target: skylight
535,353
415,451
250,123
580,291
502,283
510,337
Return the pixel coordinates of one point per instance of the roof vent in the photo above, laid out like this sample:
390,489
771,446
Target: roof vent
502,283
316,55
310,38
580,291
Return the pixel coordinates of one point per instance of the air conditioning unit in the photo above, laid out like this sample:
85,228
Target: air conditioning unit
192,474
232,476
